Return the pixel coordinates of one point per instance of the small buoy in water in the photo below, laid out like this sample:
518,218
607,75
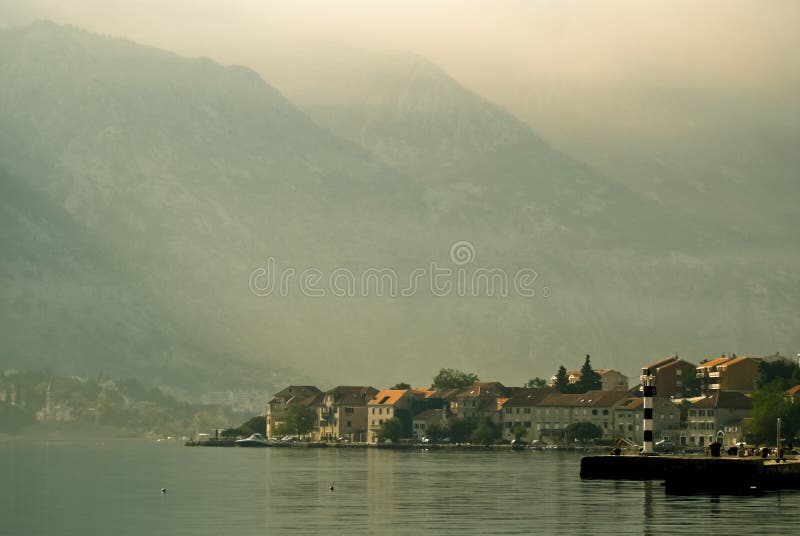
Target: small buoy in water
163,490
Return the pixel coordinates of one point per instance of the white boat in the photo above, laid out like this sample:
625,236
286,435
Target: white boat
255,440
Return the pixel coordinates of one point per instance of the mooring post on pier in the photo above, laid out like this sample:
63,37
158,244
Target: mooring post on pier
648,390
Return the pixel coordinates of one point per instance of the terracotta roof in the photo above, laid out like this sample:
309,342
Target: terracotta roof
387,397
630,403
660,363
736,361
677,363
793,390
527,397
588,399
499,403
724,400
427,393
485,389
350,395
712,363
429,415
447,393
296,393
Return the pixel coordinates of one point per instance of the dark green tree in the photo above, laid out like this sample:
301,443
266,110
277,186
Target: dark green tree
402,385
582,431
486,432
300,420
253,426
391,430
537,382
786,372
453,379
562,381
590,380
769,403
519,432
461,429
691,384
435,433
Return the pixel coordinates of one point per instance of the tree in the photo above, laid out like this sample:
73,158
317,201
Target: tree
519,432
691,384
402,385
562,381
537,382
769,403
786,372
453,379
436,433
299,420
582,431
590,380
391,430
486,431
461,429
256,425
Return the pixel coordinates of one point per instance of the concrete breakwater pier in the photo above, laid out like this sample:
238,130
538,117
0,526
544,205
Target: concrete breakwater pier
697,474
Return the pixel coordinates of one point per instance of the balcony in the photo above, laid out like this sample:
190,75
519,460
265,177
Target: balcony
714,386
714,374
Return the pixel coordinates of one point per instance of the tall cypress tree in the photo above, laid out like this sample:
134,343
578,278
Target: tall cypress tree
590,380
562,382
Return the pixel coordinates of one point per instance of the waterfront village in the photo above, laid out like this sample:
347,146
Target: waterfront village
694,405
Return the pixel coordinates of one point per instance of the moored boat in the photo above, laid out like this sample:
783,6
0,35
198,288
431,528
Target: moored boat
255,440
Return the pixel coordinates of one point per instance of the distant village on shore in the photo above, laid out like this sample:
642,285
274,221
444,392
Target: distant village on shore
694,405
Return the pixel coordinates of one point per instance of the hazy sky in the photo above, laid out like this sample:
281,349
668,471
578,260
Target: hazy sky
501,47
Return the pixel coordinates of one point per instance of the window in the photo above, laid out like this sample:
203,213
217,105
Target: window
701,413
508,425
527,410
380,421
508,410
605,412
517,410
527,424
373,411
692,412
710,413
594,412
348,411
349,424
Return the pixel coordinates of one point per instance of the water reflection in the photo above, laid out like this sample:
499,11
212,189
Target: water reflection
114,488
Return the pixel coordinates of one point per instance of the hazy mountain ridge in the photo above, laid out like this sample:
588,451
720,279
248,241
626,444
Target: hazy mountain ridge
190,175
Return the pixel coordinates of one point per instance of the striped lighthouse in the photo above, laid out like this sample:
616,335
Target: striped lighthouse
649,391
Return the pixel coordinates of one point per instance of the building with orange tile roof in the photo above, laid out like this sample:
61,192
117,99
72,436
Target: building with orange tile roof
399,404
728,374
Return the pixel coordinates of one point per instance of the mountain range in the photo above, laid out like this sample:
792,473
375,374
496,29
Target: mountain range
141,189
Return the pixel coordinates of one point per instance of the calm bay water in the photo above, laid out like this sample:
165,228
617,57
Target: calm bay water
113,487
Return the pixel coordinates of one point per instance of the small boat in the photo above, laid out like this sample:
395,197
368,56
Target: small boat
255,440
